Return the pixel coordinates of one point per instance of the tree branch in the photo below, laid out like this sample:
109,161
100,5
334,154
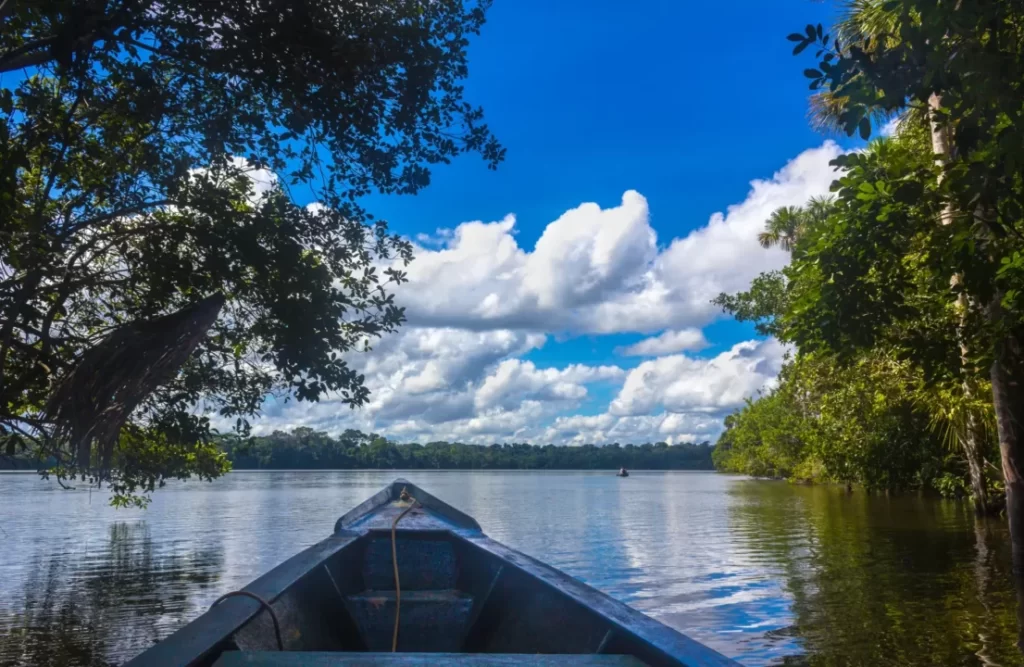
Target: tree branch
27,55
107,217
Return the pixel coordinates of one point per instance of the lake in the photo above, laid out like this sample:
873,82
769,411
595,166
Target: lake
766,572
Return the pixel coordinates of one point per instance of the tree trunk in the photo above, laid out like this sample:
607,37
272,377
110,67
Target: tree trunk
975,464
1008,397
940,147
971,440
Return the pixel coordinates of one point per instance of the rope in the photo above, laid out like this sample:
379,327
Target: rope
264,603
394,559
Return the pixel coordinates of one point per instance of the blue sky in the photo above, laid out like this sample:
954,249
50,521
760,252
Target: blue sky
658,135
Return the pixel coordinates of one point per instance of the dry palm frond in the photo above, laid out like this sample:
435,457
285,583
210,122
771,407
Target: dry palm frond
93,402
826,108
868,19
864,22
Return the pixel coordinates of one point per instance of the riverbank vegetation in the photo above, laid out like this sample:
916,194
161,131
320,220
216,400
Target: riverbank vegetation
904,298
305,448
308,449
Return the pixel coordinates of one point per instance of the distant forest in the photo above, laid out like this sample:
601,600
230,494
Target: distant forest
305,448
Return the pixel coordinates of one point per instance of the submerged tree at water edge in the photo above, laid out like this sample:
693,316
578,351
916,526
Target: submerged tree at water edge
155,267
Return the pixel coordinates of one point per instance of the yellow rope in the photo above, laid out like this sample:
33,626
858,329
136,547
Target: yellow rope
394,559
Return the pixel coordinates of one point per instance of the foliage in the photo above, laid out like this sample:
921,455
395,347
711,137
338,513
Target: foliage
959,66
788,224
305,448
133,139
954,70
872,276
762,304
830,422
875,393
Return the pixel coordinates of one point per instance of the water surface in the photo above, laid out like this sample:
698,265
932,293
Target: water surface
765,572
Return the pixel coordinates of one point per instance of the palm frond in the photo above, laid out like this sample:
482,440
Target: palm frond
768,239
863,22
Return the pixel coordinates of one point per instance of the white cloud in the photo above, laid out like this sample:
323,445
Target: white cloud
449,381
420,392
597,270
478,302
683,384
891,127
668,342
672,428
514,380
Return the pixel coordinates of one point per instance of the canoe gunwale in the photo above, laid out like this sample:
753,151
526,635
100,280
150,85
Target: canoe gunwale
350,520
206,634
668,644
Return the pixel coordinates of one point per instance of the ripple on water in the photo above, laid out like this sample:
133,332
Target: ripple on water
768,573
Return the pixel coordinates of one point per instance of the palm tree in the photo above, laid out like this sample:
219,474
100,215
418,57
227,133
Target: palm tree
788,224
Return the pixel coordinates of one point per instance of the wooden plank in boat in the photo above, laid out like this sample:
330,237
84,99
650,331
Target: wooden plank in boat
312,659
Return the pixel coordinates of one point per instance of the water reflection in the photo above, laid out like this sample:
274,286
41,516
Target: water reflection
115,598
883,581
765,572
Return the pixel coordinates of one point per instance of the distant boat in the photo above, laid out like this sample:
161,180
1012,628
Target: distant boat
622,473
456,592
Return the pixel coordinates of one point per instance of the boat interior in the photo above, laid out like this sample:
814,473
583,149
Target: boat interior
454,600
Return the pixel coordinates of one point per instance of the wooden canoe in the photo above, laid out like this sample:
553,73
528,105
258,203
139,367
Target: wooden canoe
466,600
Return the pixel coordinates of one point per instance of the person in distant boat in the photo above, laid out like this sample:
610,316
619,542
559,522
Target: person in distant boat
623,473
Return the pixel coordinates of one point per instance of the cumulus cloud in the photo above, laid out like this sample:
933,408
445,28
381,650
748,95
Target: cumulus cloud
491,396
682,384
478,302
514,380
599,271
667,343
449,381
673,428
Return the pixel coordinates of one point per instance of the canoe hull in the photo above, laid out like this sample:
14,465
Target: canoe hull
461,593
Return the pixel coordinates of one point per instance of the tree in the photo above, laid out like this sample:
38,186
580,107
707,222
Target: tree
830,421
870,388
871,25
867,283
788,224
763,304
148,152
960,64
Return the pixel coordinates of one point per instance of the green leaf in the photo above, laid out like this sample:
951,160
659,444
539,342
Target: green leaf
801,46
795,37
865,127
812,73
908,192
